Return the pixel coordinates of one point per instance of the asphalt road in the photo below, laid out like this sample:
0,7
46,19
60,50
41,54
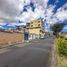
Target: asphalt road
36,54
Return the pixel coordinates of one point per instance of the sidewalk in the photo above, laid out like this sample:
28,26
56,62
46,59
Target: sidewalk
20,44
7,45
4,48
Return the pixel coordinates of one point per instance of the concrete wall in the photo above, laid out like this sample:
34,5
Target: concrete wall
11,38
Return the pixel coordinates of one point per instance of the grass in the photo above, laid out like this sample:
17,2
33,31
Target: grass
61,59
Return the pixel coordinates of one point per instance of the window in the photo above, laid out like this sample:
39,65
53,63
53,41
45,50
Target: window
31,25
38,24
38,21
28,24
40,31
31,22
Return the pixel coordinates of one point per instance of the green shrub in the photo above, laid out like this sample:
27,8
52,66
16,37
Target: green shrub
62,46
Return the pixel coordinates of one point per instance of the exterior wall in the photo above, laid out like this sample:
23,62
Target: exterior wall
35,23
33,36
42,35
11,38
34,31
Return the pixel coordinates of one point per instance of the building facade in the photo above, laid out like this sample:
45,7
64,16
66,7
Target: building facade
35,29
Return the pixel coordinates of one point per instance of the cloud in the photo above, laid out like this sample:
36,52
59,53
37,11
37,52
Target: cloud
10,8
59,16
40,6
45,11
43,3
61,13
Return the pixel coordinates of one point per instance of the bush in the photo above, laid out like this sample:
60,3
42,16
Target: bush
62,46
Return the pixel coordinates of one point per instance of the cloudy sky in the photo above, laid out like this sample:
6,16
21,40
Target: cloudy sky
51,11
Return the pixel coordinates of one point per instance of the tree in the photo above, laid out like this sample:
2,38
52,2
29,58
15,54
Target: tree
56,28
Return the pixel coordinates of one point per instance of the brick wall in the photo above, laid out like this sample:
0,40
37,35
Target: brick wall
11,38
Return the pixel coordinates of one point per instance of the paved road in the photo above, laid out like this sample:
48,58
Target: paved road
36,54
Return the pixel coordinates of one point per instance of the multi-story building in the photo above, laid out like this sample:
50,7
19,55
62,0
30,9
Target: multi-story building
35,29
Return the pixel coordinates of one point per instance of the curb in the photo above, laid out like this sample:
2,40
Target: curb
53,56
9,45
13,44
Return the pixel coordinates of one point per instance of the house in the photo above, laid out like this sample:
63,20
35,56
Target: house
35,29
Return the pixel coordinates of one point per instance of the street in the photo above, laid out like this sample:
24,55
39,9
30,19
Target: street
36,54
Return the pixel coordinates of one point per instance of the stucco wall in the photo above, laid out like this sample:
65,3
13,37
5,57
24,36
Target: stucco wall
34,30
